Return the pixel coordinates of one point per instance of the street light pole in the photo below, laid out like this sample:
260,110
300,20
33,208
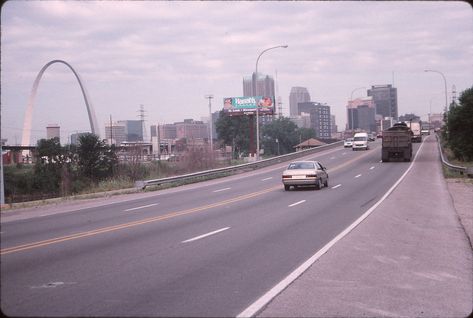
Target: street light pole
210,121
445,82
256,86
351,99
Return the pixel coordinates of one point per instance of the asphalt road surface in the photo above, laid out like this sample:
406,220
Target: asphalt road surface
208,249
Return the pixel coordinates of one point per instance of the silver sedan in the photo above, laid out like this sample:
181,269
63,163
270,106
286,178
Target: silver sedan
305,173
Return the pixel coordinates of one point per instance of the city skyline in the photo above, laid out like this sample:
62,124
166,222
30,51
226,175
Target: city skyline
140,53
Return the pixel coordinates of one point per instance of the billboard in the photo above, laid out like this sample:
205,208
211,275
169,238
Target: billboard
233,106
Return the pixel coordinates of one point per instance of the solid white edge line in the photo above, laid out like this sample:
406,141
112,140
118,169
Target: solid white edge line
294,204
255,307
141,207
338,185
220,190
205,235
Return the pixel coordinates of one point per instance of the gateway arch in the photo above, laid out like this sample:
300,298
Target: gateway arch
26,138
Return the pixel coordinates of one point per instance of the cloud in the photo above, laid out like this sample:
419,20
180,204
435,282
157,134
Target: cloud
170,53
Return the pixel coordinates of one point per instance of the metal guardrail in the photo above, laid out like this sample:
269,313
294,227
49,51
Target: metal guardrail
242,167
453,168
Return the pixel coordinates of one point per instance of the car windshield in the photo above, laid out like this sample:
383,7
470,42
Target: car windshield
360,138
301,165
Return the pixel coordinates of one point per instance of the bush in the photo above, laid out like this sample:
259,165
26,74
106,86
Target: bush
458,127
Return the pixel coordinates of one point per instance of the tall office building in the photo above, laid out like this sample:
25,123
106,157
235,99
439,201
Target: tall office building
385,99
320,119
334,124
53,131
264,86
297,95
133,129
115,133
361,114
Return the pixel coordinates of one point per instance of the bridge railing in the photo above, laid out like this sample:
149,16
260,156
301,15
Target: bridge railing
236,168
458,170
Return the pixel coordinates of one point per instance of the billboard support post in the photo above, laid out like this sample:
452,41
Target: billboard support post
252,134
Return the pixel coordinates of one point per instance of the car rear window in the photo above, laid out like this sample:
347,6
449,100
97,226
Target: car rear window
301,165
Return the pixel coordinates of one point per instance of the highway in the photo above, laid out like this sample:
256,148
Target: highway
207,249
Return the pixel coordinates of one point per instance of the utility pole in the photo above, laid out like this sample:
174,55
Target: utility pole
454,95
111,130
280,107
210,121
2,185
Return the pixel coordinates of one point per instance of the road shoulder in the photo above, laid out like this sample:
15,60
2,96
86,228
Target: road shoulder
409,258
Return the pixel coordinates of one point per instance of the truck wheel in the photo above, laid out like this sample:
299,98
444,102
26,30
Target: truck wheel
286,187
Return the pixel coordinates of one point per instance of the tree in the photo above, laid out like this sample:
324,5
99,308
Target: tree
458,127
51,158
50,152
280,136
96,160
235,131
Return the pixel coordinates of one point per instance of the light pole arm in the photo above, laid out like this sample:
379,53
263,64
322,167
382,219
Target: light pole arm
271,48
351,96
445,83
256,86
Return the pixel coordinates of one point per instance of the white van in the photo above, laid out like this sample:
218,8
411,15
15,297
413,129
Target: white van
360,141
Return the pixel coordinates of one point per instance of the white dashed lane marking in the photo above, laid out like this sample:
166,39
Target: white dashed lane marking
220,190
141,207
297,203
205,235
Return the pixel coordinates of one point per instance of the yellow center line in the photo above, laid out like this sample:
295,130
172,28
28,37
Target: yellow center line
132,224
170,215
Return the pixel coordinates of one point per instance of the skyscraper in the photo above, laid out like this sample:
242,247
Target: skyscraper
264,86
133,129
320,119
115,133
385,99
297,95
361,114
53,131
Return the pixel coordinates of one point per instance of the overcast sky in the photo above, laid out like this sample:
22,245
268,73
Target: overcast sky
168,55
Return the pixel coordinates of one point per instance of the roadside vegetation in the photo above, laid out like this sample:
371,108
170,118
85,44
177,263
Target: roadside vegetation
457,138
92,166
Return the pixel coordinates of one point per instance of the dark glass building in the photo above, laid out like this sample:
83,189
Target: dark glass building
385,99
